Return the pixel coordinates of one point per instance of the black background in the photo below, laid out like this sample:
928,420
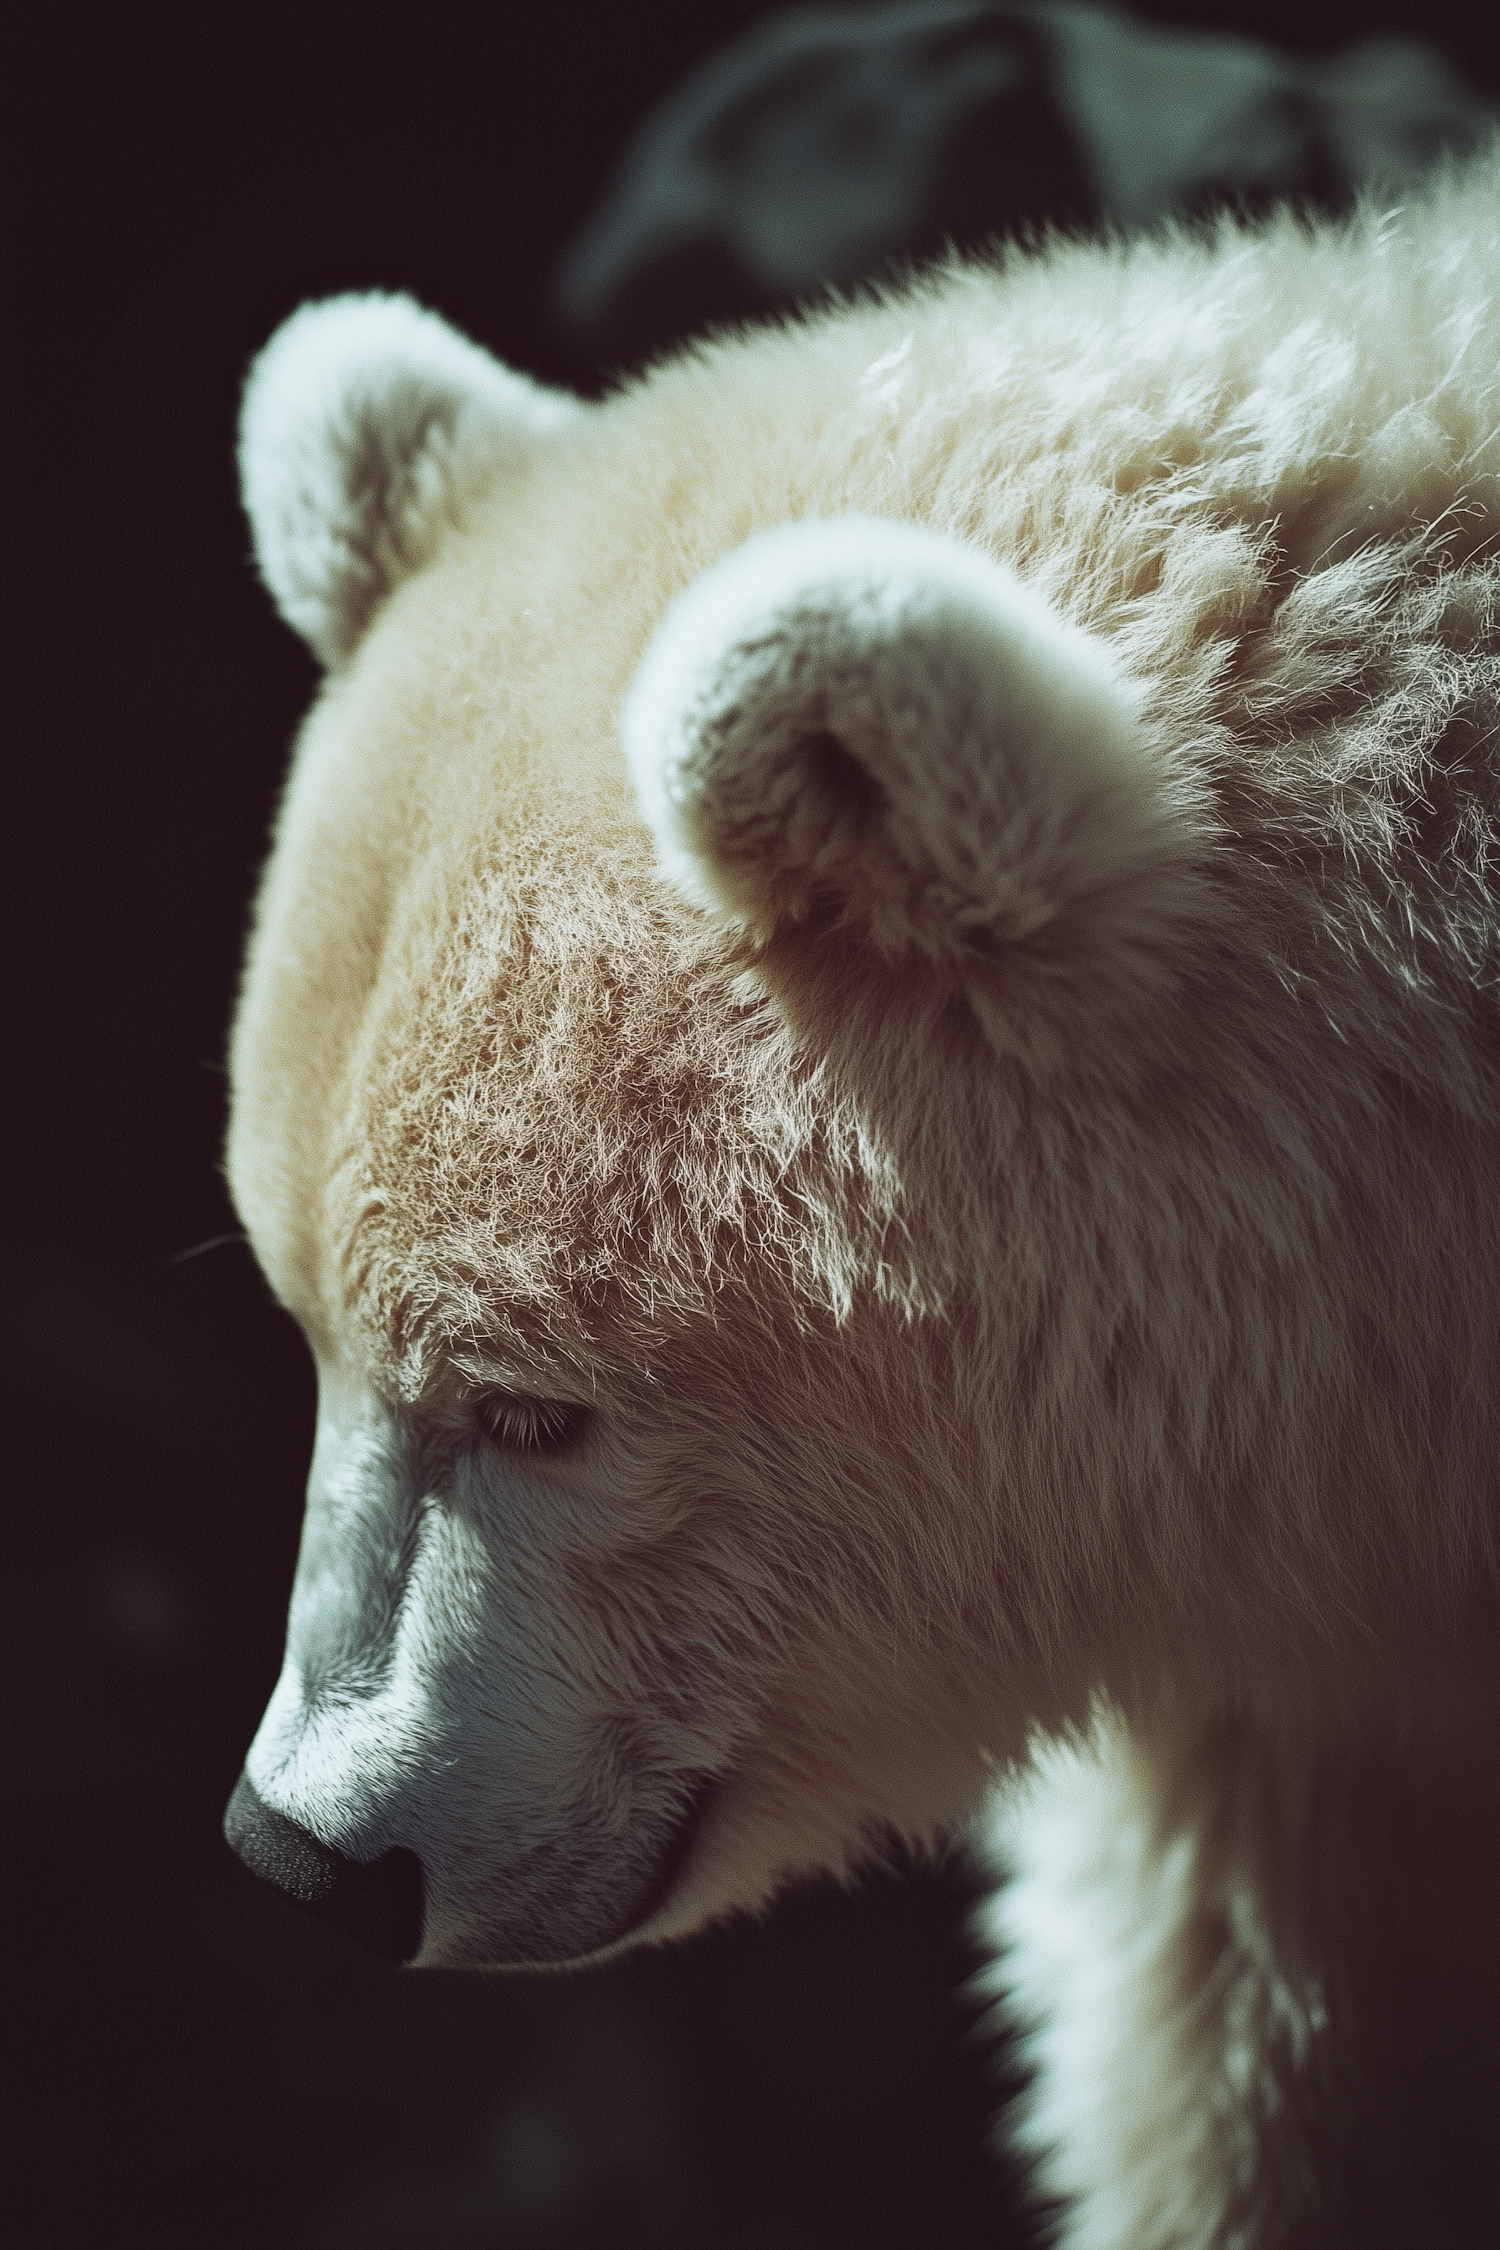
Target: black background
195,2064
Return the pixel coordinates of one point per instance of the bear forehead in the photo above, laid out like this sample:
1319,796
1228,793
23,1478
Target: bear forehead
575,1127
502,1097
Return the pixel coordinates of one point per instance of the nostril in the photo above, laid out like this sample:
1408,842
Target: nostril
379,1901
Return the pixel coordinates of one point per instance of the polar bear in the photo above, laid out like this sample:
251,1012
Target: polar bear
871,1058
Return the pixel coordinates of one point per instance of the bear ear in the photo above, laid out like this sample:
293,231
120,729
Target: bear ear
861,717
365,422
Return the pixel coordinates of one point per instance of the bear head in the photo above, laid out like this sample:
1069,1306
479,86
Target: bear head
736,926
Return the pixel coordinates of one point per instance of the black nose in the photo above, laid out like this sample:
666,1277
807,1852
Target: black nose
380,1903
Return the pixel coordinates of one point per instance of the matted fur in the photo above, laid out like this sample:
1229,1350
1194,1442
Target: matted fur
973,1331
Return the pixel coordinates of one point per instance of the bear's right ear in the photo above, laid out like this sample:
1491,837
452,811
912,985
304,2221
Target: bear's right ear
365,422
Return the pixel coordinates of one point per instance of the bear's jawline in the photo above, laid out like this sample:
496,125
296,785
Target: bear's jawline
675,1857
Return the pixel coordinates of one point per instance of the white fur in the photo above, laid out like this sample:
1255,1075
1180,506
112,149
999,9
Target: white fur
1234,1954
874,713
413,1664
941,1382
1150,2081
366,421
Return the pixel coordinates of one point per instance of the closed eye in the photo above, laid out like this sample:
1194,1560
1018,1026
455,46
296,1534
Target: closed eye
531,1425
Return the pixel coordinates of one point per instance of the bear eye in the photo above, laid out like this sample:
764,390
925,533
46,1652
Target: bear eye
531,1425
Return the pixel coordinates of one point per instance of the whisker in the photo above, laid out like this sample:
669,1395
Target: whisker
214,1242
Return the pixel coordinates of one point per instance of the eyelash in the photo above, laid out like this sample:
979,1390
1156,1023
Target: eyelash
532,1425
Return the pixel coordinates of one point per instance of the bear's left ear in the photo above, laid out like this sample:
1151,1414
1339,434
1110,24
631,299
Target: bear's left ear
366,421
866,719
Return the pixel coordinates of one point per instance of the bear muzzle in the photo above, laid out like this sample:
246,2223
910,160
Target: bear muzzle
379,1902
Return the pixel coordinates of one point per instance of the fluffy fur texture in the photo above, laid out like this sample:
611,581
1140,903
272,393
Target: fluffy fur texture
1022,1266
366,423
875,717
1257,1978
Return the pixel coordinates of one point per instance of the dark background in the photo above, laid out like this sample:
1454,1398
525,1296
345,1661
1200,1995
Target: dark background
194,2063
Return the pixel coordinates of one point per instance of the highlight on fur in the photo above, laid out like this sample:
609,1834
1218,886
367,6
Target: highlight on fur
873,714
364,420
979,1132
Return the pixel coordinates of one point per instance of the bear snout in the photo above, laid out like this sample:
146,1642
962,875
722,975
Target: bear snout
379,1902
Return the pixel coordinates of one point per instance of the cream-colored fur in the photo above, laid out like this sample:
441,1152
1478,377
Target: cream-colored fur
1257,1977
360,436
1014,1191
